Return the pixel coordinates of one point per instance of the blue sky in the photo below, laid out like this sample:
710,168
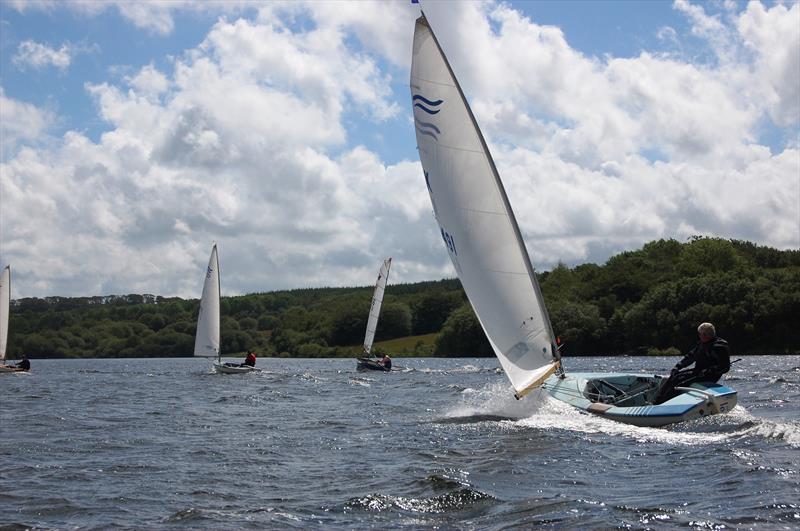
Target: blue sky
135,134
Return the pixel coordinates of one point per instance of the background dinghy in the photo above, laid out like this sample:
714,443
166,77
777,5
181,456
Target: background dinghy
365,363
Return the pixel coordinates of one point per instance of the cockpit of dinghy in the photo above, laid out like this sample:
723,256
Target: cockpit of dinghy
627,392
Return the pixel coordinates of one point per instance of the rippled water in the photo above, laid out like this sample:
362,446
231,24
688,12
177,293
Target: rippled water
314,444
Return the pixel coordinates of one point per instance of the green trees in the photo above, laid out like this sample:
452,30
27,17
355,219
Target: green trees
462,336
647,300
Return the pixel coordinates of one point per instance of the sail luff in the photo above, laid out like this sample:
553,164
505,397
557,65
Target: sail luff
375,307
476,219
207,336
219,298
5,309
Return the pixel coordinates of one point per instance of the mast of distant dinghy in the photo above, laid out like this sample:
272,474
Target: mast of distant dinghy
219,300
5,309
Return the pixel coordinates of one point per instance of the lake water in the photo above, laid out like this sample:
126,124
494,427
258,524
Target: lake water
163,443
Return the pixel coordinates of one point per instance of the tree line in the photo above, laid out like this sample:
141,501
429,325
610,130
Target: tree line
647,301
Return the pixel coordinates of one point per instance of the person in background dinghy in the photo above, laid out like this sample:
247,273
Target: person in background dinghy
250,360
711,357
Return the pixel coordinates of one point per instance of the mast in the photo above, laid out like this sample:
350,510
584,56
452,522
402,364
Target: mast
219,298
5,310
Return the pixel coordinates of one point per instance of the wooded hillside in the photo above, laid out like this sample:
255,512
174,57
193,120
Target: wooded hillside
647,301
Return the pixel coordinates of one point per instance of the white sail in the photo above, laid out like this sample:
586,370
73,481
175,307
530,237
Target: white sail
206,339
5,308
375,309
476,221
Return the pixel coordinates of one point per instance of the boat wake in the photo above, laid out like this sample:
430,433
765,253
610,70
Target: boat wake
492,403
465,369
540,411
363,382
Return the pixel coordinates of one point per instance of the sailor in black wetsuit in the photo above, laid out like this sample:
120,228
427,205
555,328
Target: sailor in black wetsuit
25,365
711,358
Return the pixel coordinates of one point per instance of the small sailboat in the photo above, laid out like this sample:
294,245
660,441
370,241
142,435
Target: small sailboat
366,363
5,309
207,336
485,244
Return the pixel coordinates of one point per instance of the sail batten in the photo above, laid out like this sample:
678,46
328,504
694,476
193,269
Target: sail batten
207,337
375,307
475,218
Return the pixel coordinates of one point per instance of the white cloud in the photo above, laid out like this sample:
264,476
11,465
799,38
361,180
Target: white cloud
774,36
20,121
31,54
149,81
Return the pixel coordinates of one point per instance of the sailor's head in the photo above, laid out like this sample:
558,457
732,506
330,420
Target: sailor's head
706,332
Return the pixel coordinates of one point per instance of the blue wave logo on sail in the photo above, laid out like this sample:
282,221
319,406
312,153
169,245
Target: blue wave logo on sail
431,107
209,272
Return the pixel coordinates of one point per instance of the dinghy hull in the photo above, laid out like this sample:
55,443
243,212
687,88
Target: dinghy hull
629,398
366,364
232,369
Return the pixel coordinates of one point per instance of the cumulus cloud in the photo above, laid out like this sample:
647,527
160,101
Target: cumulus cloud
31,54
21,122
247,139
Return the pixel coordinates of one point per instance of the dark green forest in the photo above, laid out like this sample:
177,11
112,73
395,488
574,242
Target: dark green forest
647,301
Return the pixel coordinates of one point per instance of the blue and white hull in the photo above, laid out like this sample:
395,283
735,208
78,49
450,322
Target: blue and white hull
629,398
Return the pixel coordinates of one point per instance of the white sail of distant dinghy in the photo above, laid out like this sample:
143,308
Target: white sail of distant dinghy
207,337
365,363
476,221
485,245
375,308
5,308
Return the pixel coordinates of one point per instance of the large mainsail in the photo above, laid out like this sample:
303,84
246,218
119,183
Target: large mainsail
206,339
375,309
5,308
476,221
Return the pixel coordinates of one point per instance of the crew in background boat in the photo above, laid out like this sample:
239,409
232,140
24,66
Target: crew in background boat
24,364
250,360
386,361
711,358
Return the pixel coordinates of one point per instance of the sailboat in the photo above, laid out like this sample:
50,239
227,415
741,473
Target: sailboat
365,363
207,336
485,244
5,309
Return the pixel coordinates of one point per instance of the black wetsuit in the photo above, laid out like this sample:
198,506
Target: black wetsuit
25,365
711,360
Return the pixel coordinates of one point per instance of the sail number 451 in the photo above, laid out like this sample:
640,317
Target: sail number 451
449,241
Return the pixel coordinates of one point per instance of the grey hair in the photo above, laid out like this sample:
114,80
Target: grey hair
707,329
